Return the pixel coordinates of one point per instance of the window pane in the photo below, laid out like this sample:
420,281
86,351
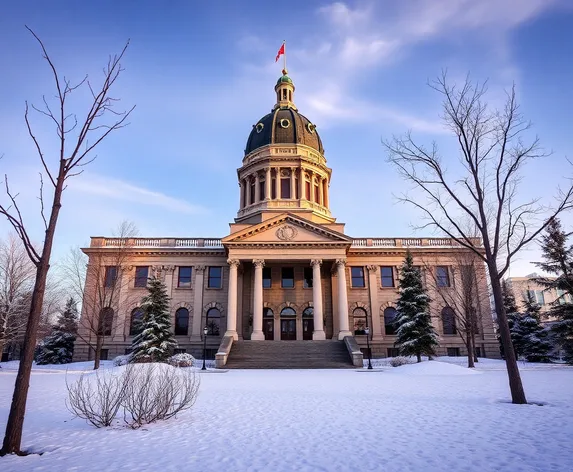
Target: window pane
360,321
307,282
136,319
449,321
184,277
110,276
287,274
215,278
357,276
141,274
262,189
387,276
213,322
285,188
288,311
181,321
389,319
267,280
308,312
442,276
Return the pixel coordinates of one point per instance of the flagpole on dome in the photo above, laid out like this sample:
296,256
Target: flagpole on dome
284,58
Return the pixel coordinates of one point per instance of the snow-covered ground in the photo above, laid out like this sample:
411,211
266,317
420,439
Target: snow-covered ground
434,416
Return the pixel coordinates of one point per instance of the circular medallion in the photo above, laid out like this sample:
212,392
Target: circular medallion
259,127
286,233
310,127
284,123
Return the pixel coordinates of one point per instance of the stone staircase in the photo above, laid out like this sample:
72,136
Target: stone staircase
289,355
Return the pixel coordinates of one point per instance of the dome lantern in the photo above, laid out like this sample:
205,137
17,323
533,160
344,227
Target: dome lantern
285,92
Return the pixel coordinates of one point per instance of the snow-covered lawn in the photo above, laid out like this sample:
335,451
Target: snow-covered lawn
433,416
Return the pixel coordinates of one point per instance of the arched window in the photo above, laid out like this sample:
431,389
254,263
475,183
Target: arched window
390,314
181,321
288,311
135,323
267,312
105,321
213,322
308,312
449,321
360,320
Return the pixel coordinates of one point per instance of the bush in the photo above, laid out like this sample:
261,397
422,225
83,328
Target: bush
181,360
121,360
399,360
146,392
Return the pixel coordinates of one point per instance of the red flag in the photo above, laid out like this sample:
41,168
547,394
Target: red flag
281,52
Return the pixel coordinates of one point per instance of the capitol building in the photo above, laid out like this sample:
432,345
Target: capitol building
286,287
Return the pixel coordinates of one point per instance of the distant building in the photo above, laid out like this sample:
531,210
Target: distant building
287,281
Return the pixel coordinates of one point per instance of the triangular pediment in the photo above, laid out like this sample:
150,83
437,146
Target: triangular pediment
287,229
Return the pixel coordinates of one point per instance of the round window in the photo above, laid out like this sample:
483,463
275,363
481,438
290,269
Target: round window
310,127
284,123
259,127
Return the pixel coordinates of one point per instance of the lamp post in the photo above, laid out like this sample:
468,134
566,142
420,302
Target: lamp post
205,331
367,330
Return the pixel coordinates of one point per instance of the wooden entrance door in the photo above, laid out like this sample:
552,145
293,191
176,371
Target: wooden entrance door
288,330
307,328
268,328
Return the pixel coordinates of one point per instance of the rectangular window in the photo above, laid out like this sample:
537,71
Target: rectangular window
267,281
357,276
274,188
387,276
307,190
110,276
478,352
453,351
316,194
252,193
539,295
442,276
141,274
285,188
287,277
184,279
393,352
215,279
307,282
262,189
103,354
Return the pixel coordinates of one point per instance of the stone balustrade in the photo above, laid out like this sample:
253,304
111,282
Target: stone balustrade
409,242
209,243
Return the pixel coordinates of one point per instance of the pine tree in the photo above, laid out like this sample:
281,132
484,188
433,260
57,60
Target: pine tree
535,345
155,342
415,333
58,347
513,317
558,261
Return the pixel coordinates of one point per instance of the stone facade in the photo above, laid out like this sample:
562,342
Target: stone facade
287,269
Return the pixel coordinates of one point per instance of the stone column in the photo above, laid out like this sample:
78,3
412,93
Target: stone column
310,197
318,333
258,334
241,188
268,183
301,184
248,191
342,300
320,191
375,328
326,196
257,188
232,299
169,270
278,183
197,328
292,183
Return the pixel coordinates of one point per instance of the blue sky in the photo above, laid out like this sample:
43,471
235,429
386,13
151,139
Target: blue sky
202,73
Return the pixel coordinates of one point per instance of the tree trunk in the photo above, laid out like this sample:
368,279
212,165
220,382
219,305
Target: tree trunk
15,424
99,344
515,385
419,357
470,350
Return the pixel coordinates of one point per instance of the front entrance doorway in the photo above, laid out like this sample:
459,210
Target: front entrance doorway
307,323
268,324
288,330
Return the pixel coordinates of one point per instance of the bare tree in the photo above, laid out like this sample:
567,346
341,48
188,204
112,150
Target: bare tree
492,155
77,138
99,281
465,298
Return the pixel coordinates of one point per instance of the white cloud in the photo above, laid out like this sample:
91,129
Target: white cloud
120,190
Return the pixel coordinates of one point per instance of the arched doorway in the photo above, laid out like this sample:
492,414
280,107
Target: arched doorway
288,324
268,324
307,323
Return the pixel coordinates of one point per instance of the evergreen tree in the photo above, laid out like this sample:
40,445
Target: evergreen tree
415,334
155,342
513,318
558,261
58,347
535,345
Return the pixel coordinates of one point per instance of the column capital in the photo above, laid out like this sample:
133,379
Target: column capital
233,262
259,263
372,268
199,268
340,262
315,262
169,269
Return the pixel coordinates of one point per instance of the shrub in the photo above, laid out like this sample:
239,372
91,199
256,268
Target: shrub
399,360
146,392
121,360
181,360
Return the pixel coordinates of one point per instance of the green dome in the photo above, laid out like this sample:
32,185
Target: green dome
284,78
